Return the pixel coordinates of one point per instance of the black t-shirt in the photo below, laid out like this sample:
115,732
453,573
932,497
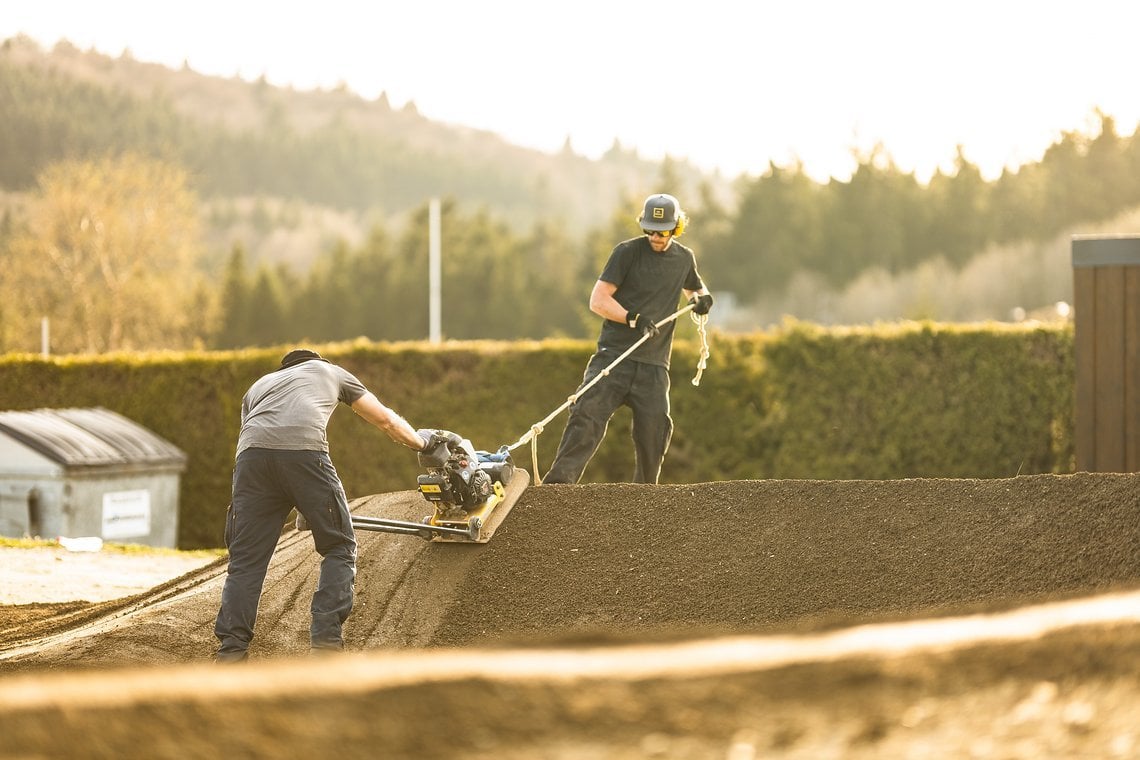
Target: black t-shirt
650,284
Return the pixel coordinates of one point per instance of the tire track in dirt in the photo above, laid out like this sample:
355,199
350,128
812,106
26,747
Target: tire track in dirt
404,584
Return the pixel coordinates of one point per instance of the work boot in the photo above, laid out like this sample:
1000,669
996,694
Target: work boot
230,658
324,648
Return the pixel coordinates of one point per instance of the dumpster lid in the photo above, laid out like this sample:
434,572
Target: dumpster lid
89,437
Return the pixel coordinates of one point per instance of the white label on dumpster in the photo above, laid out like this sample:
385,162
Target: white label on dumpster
126,514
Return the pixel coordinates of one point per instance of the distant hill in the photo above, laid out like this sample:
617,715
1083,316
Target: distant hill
289,174
327,149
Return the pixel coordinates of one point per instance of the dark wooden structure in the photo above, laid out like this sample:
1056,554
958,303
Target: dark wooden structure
1106,300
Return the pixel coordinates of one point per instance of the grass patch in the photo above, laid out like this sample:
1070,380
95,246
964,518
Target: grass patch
140,549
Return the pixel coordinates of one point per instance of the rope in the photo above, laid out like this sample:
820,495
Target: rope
702,321
536,429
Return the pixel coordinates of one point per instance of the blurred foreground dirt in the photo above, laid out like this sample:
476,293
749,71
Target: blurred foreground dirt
744,619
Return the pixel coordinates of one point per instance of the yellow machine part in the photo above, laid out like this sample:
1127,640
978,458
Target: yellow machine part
490,513
481,511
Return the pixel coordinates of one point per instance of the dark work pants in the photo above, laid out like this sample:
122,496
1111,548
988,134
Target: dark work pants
644,388
267,485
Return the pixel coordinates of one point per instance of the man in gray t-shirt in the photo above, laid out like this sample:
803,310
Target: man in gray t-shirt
283,462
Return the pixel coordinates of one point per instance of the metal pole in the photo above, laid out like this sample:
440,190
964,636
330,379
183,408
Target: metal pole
434,272
45,337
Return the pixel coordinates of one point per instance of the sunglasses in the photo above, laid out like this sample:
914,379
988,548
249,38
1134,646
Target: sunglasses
655,233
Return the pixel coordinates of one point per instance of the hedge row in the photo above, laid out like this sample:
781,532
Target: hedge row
895,401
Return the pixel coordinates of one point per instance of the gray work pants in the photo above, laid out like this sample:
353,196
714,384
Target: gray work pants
644,388
267,484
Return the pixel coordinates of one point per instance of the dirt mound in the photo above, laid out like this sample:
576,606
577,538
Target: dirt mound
765,556
616,562
599,568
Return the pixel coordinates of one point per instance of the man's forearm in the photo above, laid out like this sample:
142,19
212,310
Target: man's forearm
396,427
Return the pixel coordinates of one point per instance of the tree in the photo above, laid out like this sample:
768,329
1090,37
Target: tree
1111,184
235,330
777,233
555,294
267,310
959,210
375,287
873,220
330,309
109,255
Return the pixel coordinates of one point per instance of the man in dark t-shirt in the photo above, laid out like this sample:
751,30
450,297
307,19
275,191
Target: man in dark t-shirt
283,462
641,284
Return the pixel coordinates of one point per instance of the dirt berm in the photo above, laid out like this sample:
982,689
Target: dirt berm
931,618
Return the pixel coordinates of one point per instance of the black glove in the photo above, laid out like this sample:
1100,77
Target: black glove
646,325
701,304
429,438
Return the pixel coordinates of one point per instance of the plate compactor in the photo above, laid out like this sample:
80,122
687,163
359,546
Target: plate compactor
471,491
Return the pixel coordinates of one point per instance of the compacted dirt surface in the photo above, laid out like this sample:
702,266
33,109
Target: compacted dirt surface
737,620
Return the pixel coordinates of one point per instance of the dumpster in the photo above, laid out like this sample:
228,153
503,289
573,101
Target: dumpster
87,472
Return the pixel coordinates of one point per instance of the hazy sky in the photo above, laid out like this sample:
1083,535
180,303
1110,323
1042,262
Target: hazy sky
728,84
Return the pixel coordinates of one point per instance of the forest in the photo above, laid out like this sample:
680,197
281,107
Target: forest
143,207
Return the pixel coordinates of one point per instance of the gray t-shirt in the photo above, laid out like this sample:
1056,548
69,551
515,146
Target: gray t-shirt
290,408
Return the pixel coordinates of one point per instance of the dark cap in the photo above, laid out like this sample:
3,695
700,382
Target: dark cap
299,355
661,213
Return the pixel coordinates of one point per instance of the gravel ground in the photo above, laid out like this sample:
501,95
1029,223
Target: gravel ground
52,574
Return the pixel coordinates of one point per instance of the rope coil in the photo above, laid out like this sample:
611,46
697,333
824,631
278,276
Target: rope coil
702,362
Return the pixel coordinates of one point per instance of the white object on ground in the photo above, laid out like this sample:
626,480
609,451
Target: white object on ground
81,544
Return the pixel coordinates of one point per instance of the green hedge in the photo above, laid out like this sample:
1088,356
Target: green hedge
896,401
